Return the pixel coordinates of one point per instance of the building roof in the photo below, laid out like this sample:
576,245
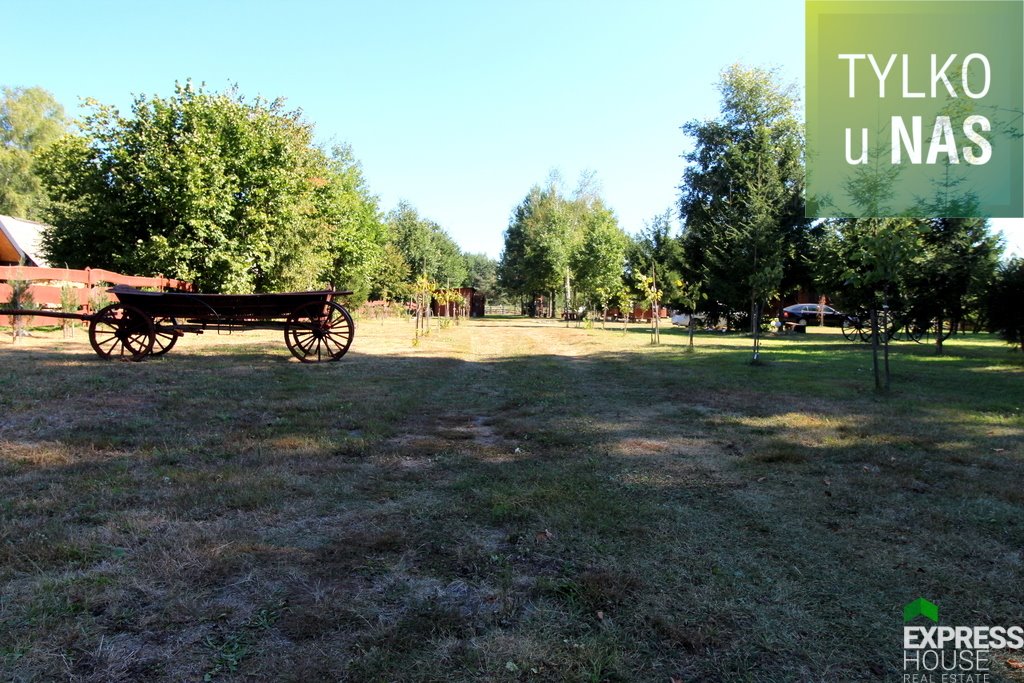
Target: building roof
21,240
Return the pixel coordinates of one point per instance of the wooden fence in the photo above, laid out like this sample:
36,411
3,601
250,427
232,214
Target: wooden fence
503,309
52,280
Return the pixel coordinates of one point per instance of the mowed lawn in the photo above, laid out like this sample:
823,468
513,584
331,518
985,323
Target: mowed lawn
508,500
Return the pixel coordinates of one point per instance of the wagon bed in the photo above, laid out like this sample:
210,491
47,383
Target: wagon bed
239,307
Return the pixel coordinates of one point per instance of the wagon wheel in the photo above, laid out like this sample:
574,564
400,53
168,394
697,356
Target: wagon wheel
925,333
855,327
889,326
122,331
166,334
901,333
319,331
853,330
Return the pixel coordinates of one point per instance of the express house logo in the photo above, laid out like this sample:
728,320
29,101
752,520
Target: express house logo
936,653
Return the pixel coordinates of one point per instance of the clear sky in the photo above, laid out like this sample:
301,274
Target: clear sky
456,106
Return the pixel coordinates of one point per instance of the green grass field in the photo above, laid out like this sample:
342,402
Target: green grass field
508,500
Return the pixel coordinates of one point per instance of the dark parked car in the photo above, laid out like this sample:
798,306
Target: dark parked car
809,314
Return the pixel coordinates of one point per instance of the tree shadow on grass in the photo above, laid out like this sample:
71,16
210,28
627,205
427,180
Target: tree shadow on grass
628,515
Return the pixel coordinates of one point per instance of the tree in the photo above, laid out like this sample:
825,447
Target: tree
555,243
744,184
956,255
753,237
534,258
483,275
392,277
658,249
690,296
860,261
527,266
597,263
209,187
349,224
422,289
21,299
426,247
651,295
1005,313
30,120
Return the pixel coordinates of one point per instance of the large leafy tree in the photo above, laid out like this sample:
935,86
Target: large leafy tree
742,194
597,264
557,245
860,262
30,120
392,278
537,249
483,275
426,248
349,227
210,187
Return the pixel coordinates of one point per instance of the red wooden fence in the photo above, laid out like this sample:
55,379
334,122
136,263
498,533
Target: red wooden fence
52,280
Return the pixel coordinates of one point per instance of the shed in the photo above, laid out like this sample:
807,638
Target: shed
475,303
21,241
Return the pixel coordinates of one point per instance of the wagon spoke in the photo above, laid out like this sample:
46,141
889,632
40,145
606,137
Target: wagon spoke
342,333
341,343
338,324
136,343
303,350
306,346
328,341
107,337
109,346
304,339
166,335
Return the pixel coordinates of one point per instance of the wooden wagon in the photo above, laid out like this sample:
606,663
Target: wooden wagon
316,327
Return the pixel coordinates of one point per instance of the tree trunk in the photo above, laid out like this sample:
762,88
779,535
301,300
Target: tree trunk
568,297
755,317
416,323
938,335
691,330
657,321
874,348
752,305
885,344
654,325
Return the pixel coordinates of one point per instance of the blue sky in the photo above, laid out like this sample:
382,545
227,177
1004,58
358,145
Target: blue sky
456,106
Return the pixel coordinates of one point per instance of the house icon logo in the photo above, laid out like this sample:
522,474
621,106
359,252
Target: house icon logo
920,608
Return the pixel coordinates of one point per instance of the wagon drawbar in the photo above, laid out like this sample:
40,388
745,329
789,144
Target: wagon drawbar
141,324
